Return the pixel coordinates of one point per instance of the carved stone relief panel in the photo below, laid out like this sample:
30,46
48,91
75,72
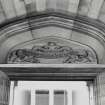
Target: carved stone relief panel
51,51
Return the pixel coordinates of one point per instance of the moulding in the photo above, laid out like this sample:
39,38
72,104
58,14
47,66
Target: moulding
43,72
91,27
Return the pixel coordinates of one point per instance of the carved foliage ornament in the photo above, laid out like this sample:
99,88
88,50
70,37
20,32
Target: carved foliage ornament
51,53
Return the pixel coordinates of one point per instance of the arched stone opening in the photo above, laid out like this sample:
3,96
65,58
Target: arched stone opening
55,25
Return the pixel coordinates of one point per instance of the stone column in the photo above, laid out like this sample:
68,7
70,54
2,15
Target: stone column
99,89
4,89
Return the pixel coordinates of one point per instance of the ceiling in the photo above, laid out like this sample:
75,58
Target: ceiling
15,8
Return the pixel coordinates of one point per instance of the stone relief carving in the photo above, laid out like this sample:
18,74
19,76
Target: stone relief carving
51,53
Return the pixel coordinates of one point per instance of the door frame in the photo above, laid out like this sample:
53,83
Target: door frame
56,72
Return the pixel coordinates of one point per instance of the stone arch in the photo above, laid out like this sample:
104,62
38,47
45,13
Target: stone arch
85,31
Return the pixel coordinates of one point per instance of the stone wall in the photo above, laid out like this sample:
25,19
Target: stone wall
99,89
4,89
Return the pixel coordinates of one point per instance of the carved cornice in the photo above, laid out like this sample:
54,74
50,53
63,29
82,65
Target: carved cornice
45,72
91,27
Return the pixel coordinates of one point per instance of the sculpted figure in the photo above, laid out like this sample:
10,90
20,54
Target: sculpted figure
21,56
